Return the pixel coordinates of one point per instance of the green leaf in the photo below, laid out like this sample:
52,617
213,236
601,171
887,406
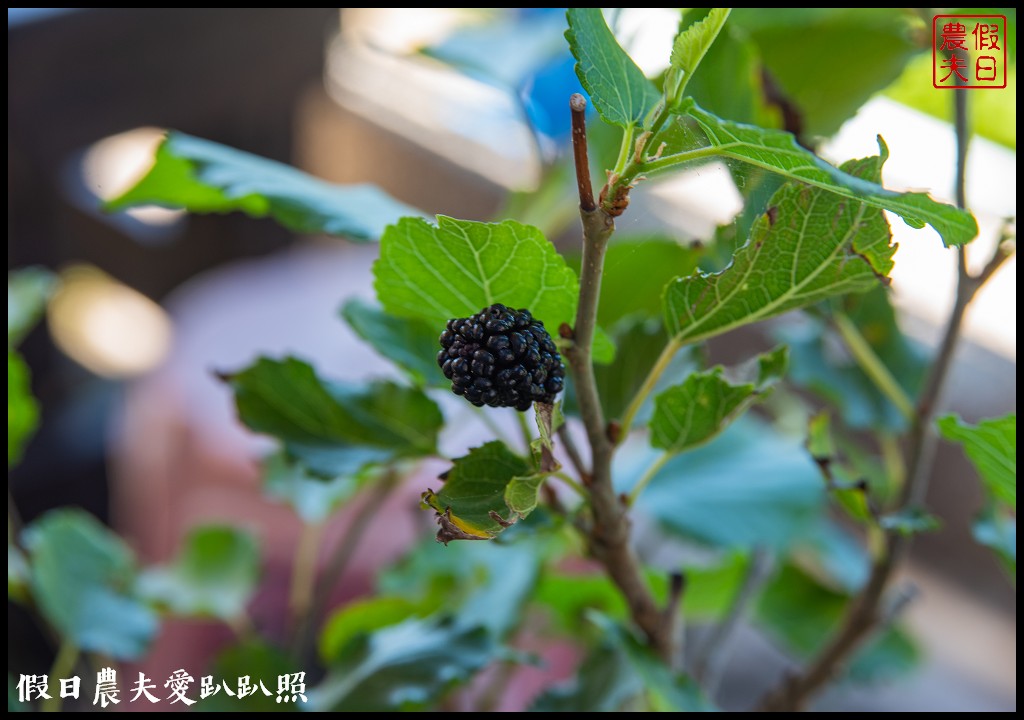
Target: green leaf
362,617
22,408
778,152
820,363
809,245
999,532
83,580
689,48
910,522
313,498
617,87
205,177
750,486
335,429
410,343
692,413
454,269
403,667
521,494
471,504
992,447
28,290
828,62
617,673
214,574
799,613
618,382
259,661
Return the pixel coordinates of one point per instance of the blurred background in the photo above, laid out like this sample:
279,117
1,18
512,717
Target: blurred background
454,111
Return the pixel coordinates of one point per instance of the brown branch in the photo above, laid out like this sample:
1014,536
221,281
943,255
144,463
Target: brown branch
609,534
578,106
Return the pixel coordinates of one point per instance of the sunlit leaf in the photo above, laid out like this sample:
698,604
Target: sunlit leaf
617,87
83,579
992,447
809,245
206,177
214,574
690,47
778,152
458,267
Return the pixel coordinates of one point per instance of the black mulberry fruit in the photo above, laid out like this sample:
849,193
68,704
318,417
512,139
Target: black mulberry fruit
501,357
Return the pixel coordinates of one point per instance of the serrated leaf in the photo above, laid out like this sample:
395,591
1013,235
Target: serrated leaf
214,574
730,84
992,447
22,407
619,672
692,413
335,429
748,487
809,245
799,613
27,292
617,87
206,177
458,267
778,152
313,498
403,667
410,343
83,579
999,532
471,503
690,46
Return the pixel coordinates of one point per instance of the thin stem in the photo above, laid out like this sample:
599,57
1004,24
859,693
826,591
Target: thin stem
304,574
580,490
625,152
487,420
339,562
660,365
873,366
711,662
645,480
63,666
